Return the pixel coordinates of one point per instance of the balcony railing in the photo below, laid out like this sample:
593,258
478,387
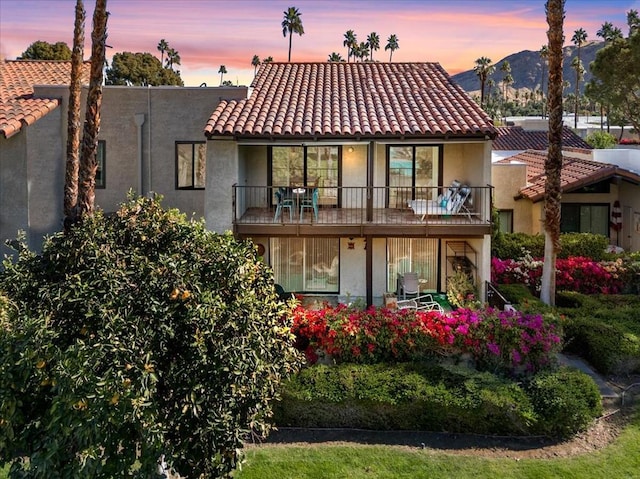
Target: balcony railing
354,205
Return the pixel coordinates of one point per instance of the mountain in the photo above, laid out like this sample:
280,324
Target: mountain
526,69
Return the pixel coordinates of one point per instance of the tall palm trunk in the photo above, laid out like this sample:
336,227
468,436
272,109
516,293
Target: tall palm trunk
553,164
88,163
73,121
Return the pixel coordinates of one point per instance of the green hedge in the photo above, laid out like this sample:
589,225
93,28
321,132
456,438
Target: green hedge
603,329
515,245
435,398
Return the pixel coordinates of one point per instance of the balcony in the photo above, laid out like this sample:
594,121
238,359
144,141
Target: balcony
359,211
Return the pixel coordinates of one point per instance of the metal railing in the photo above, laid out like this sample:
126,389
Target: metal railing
355,205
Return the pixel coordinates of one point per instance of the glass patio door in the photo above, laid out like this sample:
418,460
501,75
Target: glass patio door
412,170
416,255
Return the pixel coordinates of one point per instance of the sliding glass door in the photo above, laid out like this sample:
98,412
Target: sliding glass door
411,168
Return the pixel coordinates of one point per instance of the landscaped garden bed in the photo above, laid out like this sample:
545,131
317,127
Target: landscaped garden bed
470,370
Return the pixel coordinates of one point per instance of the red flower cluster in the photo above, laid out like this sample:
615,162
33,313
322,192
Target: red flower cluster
577,273
497,339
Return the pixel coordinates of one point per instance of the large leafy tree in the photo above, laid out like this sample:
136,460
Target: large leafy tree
373,40
138,334
392,45
73,121
88,163
553,163
140,69
40,50
616,76
483,68
578,38
292,23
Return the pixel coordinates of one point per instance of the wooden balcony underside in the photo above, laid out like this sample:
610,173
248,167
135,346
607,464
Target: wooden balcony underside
353,222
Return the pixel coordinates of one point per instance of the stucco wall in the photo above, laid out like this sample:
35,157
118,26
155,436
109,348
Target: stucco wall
13,188
507,180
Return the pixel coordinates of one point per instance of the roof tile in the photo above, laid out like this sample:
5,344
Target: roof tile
514,138
18,106
351,99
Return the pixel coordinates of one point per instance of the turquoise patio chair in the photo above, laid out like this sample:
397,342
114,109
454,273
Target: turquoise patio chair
310,202
283,202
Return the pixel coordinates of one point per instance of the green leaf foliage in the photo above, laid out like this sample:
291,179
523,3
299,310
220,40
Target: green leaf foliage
517,245
41,50
138,334
417,396
601,140
140,69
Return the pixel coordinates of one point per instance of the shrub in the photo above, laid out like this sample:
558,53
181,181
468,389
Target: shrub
404,397
604,329
518,245
138,334
508,341
437,398
572,274
601,140
566,401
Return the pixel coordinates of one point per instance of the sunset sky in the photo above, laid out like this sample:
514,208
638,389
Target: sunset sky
210,33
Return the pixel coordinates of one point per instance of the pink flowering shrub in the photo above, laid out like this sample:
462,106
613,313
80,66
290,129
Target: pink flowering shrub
499,340
579,274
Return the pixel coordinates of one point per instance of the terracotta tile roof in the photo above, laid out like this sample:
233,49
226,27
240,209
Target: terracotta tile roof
576,172
362,100
514,138
18,106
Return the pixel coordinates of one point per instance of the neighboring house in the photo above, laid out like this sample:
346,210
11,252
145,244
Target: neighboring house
150,141
321,161
590,191
512,140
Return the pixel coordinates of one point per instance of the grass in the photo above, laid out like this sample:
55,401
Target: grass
620,460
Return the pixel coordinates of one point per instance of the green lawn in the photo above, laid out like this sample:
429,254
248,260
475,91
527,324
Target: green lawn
620,460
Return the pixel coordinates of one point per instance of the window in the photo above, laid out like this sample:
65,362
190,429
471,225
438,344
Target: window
417,255
306,264
412,167
313,166
505,219
191,164
100,159
585,218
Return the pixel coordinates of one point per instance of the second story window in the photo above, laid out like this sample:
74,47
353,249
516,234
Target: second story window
191,165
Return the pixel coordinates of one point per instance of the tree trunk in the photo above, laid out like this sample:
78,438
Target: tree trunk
553,164
88,164
73,121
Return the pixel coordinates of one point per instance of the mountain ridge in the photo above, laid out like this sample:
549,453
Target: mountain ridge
527,69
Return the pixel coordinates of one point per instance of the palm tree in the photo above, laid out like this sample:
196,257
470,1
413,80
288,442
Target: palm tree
73,121
553,164
269,59
163,46
507,79
173,58
633,20
576,64
373,40
608,32
544,55
255,62
292,23
349,42
392,45
483,69
578,38
363,51
335,57
88,163
222,70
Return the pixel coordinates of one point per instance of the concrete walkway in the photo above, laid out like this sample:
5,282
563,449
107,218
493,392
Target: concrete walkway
609,396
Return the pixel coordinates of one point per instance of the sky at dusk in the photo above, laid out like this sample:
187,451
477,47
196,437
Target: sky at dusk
210,33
